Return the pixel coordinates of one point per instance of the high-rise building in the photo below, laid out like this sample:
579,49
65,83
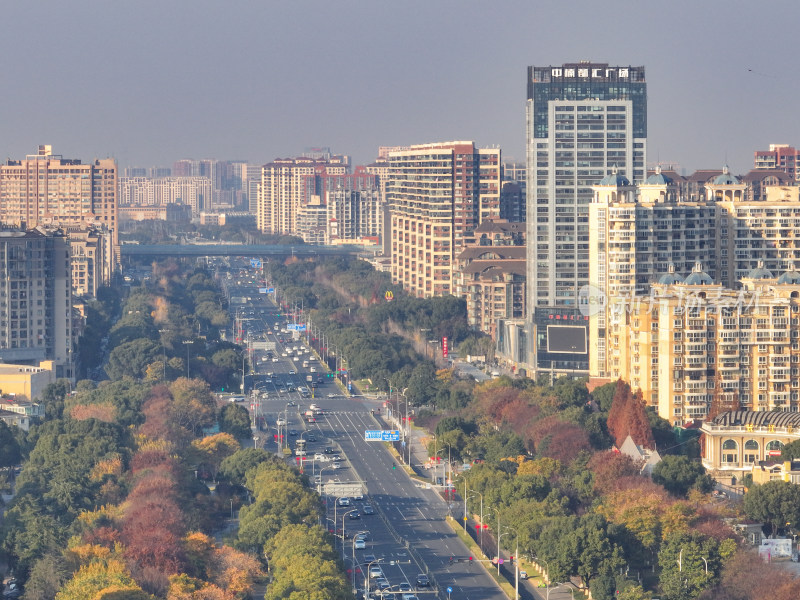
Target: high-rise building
437,193
583,119
285,189
691,343
47,189
36,320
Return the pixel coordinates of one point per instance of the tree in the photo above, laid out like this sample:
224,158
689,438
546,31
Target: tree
679,474
628,416
213,449
775,503
791,451
235,467
690,563
98,579
47,576
132,358
10,454
235,420
193,405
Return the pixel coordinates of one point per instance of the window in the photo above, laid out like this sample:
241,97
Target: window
750,451
730,452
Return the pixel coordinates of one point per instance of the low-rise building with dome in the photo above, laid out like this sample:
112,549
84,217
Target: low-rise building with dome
735,443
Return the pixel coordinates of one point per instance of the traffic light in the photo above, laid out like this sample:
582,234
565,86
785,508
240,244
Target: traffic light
394,466
470,560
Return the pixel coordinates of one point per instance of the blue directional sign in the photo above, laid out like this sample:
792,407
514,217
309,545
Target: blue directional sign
391,436
449,590
296,327
255,263
263,291
270,290
382,435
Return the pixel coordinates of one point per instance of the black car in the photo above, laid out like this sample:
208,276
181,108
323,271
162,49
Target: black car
354,515
328,450
422,580
311,437
293,432
368,510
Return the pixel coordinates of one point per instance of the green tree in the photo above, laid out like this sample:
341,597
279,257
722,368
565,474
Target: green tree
132,358
235,467
679,474
683,559
775,502
791,451
10,454
235,419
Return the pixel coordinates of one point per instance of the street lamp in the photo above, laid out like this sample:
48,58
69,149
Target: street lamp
480,529
354,558
187,343
516,561
352,510
164,348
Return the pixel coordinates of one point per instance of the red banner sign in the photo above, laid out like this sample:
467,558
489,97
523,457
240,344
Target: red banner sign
444,347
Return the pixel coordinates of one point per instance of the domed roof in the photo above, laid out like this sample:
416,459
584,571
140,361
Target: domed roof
658,178
726,178
790,277
698,277
670,278
760,272
614,178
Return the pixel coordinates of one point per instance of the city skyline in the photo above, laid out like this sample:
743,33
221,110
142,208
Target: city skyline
263,81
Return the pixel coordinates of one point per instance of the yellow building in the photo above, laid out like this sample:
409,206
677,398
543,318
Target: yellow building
691,342
734,442
23,381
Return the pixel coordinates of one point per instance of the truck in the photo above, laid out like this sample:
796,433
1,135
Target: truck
309,378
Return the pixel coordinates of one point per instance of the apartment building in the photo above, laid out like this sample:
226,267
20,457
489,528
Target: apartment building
755,232
192,191
437,194
36,315
638,233
780,157
47,189
284,189
692,342
490,274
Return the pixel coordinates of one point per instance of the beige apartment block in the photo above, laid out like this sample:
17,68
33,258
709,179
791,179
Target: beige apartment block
692,342
437,194
47,189
286,186
490,274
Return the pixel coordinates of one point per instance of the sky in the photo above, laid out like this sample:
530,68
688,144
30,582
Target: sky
153,81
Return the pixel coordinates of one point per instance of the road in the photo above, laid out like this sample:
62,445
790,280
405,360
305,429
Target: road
408,535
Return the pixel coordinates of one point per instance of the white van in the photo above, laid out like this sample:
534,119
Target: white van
305,364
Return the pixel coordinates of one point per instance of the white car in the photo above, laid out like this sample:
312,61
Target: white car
336,466
320,457
360,544
375,571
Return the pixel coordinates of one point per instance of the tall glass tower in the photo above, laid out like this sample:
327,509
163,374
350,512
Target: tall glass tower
584,120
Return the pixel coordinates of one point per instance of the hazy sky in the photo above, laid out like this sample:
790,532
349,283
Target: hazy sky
150,82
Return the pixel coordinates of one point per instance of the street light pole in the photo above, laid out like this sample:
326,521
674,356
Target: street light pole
187,343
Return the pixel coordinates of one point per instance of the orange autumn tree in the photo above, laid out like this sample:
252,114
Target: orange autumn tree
628,417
